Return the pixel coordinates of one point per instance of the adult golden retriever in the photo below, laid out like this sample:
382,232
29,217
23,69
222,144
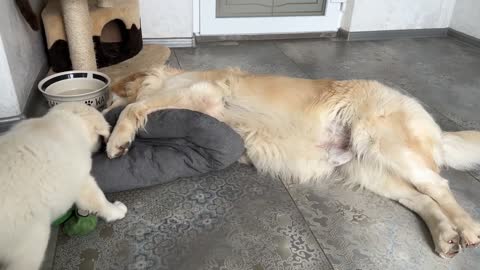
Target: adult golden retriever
308,130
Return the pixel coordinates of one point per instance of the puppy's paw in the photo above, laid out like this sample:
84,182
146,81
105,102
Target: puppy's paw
121,206
117,211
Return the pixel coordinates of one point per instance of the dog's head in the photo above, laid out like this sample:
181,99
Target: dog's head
93,119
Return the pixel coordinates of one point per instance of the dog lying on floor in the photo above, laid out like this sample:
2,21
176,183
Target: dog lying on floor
311,130
45,168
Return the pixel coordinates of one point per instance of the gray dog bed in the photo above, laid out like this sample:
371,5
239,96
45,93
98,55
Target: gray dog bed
174,143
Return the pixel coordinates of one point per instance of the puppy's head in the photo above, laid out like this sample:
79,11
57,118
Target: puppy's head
94,121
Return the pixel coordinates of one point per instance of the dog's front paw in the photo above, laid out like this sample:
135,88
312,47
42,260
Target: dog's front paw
117,211
447,241
118,144
470,234
114,151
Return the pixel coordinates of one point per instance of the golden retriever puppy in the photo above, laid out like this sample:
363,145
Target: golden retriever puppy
44,169
301,130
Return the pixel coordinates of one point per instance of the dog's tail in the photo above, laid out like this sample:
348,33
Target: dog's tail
461,150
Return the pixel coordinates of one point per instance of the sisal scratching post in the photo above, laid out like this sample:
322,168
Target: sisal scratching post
89,34
78,28
105,3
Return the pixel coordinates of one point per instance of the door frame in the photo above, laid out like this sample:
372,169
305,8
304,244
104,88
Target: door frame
206,23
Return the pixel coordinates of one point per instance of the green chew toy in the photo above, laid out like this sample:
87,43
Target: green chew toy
63,218
80,223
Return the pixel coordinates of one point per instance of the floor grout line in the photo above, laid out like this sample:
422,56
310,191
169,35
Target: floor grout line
292,61
306,222
474,176
176,58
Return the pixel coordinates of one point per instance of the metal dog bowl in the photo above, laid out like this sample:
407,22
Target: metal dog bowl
89,87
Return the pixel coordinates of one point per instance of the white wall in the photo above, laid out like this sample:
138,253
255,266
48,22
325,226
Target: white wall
466,17
346,20
166,18
376,15
8,97
23,49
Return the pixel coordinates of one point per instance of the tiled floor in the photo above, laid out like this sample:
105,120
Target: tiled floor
236,219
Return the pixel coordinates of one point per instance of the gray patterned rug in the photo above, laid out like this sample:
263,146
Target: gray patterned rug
230,220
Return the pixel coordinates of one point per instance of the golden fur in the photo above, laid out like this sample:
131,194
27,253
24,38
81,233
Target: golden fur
306,131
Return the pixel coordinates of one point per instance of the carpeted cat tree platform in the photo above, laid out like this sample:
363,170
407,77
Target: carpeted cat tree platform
86,34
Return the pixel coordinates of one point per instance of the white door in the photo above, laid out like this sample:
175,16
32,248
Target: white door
206,21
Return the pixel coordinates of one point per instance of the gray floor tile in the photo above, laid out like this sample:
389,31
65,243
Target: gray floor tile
232,220
441,72
360,230
172,60
50,252
476,174
39,105
259,57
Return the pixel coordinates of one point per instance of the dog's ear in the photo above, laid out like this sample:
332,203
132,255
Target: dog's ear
129,85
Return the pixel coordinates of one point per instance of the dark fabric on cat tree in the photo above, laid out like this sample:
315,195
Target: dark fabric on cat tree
125,15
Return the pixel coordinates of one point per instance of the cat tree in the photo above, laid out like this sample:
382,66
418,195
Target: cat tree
84,34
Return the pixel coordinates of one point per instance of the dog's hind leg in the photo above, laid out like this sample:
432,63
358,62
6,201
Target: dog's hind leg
28,253
202,97
93,200
445,238
432,184
390,142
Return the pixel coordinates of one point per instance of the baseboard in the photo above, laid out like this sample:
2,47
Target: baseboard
391,34
463,37
7,122
218,38
186,42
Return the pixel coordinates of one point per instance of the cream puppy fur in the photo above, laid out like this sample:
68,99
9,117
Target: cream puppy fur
44,169
312,131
